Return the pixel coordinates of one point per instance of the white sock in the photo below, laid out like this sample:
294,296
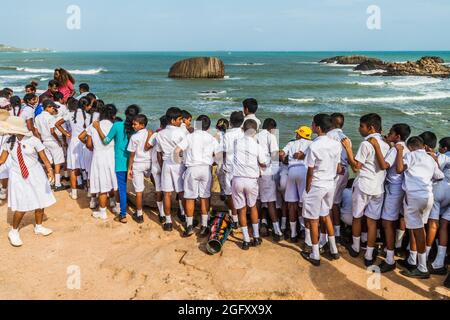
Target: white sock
308,237
399,238
204,220
422,265
323,239
283,223
255,228
412,257
66,174
369,253
103,211
356,244
139,213
181,207
235,218
276,228
74,192
315,254
293,229
337,231
189,221
333,247
363,236
245,234
58,180
427,251
390,257
168,219
440,258
79,180
160,208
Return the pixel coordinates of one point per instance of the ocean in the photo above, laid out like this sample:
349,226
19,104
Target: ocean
290,86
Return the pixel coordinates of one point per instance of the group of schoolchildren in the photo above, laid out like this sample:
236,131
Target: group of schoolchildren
401,183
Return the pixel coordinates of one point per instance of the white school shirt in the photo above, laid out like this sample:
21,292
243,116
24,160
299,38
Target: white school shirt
444,164
44,123
247,156
153,151
421,170
137,145
63,112
26,112
269,143
229,140
371,178
337,135
300,145
106,126
199,148
168,139
392,176
77,125
30,148
324,155
252,116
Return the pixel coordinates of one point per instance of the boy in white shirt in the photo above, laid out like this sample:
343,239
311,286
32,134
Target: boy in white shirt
295,151
267,184
172,170
248,158
368,188
323,161
198,150
229,142
337,134
46,131
250,107
139,163
419,172
186,122
394,195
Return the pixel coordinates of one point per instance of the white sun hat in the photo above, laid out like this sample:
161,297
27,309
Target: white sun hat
15,125
4,115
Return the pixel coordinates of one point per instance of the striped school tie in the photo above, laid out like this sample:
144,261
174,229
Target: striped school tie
23,167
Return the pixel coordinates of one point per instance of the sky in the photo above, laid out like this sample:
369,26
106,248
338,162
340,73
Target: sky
226,25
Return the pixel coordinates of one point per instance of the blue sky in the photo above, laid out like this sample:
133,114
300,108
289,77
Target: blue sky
230,25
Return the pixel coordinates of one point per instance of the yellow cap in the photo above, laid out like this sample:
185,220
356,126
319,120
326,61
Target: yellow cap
304,132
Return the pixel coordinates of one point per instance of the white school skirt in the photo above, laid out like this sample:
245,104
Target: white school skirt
86,160
74,154
103,174
4,170
31,193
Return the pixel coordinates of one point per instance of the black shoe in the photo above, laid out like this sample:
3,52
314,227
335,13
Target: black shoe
256,242
245,245
406,265
447,282
338,239
168,227
276,237
195,223
60,188
386,267
264,230
307,257
188,232
352,252
306,248
302,234
440,272
80,187
324,249
181,217
294,239
204,232
139,220
332,256
400,252
415,273
162,219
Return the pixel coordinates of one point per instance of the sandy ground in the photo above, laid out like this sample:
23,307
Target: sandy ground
133,261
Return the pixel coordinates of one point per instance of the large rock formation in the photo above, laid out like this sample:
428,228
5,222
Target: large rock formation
350,60
198,68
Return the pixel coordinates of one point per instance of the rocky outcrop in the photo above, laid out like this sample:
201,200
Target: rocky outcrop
371,65
198,68
350,60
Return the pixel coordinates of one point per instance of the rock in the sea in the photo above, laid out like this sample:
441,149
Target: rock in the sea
370,65
426,66
350,60
434,58
198,68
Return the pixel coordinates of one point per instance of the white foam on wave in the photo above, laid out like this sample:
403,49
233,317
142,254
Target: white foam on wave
247,64
79,72
369,72
211,93
20,77
420,112
335,64
231,78
394,99
405,82
446,63
302,100
307,62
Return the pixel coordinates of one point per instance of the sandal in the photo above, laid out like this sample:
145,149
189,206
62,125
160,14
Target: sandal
120,219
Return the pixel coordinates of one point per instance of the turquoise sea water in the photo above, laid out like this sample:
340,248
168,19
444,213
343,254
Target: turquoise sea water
290,86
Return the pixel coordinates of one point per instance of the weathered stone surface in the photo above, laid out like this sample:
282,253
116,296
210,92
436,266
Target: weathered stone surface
198,68
350,60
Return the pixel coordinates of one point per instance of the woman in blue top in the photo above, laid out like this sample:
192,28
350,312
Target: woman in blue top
120,133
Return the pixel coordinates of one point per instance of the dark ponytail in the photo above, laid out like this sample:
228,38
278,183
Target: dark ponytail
12,141
82,104
131,112
108,112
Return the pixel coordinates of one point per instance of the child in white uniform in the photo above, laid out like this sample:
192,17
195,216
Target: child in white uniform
394,195
419,169
4,173
267,183
248,158
368,188
139,163
29,187
198,150
295,151
46,130
323,161
172,171
103,178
